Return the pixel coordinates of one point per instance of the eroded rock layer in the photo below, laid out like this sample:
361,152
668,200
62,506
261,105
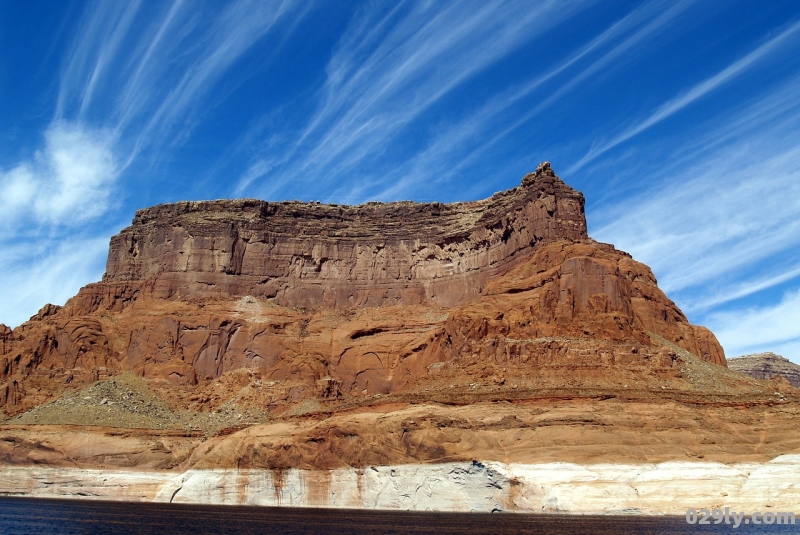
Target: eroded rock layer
335,304
591,455
308,255
666,488
766,366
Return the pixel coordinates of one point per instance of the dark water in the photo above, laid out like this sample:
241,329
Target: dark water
35,516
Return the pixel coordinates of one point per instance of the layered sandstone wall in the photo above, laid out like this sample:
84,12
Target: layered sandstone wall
766,366
308,255
331,301
571,306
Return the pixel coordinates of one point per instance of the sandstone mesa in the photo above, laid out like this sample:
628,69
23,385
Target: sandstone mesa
324,339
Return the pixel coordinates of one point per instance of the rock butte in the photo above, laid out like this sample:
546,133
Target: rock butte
273,336
767,366
334,293
316,255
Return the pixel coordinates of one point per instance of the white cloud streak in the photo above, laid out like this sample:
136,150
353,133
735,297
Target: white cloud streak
437,159
132,79
67,183
236,30
137,89
756,329
97,43
43,201
723,223
390,68
736,291
713,219
46,271
361,95
700,90
162,69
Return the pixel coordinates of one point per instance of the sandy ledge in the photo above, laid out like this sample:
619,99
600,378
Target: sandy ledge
663,488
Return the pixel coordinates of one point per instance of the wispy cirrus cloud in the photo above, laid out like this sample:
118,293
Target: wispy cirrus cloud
784,39
387,70
236,30
756,329
372,94
729,198
720,222
47,270
134,78
102,32
467,140
705,225
68,182
162,68
735,291
48,247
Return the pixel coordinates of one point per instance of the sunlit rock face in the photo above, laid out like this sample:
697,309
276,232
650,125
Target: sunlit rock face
316,255
326,302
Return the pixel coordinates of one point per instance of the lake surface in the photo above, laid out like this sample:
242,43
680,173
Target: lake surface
25,516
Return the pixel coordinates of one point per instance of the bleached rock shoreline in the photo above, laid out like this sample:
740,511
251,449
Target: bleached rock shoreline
664,488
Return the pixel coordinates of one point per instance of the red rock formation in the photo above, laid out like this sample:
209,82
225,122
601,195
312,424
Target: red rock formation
310,255
335,301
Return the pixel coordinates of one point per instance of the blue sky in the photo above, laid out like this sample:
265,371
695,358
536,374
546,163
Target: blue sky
679,120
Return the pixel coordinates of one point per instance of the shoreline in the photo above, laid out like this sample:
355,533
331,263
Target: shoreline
667,488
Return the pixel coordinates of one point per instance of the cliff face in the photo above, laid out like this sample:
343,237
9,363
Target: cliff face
766,366
337,303
311,255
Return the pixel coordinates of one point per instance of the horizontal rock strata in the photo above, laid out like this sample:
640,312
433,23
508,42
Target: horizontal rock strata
333,302
632,427
569,306
307,255
664,488
766,366
245,352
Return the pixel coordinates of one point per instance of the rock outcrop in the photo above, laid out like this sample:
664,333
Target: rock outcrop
558,488
395,355
315,255
766,366
330,302
555,455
